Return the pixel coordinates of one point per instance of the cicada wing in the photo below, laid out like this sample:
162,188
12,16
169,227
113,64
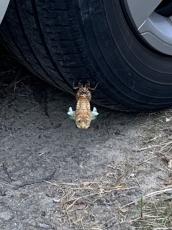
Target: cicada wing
71,113
94,113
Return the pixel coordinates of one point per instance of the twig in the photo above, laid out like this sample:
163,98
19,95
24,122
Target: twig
148,195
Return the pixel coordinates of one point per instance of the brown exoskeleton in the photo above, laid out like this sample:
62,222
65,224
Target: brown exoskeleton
83,114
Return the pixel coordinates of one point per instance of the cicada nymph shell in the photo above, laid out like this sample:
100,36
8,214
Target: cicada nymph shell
83,114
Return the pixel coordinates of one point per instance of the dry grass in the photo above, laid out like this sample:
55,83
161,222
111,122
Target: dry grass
156,207
156,214
80,202
102,203
160,144
114,200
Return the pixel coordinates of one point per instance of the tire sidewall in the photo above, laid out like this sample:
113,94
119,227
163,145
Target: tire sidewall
143,75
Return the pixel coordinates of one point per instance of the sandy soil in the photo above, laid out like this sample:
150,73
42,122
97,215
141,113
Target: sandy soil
54,176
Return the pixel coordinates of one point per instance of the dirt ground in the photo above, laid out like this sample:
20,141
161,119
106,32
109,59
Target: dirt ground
116,175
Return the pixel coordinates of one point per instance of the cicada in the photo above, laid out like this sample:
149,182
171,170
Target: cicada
83,114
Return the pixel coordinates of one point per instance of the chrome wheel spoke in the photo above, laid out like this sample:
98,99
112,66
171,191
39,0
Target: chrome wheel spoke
142,9
153,22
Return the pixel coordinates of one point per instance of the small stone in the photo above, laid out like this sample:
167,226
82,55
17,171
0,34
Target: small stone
170,164
45,226
132,175
43,213
167,119
6,215
43,151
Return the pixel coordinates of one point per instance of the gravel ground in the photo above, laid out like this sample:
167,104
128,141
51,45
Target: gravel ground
116,175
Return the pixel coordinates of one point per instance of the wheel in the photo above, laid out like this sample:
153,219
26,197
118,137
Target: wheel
125,45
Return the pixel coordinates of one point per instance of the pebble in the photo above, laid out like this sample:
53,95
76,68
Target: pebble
6,215
45,226
170,164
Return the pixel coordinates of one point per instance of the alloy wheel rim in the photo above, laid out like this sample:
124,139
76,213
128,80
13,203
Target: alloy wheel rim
154,27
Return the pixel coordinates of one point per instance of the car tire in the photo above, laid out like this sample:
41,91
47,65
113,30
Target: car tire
65,41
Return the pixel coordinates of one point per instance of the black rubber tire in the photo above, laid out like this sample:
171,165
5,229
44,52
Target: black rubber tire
68,40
